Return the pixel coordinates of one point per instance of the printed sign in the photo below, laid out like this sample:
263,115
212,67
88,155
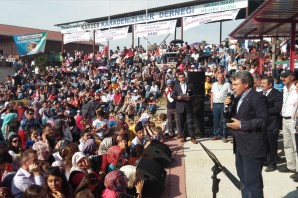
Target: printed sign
190,22
76,37
162,15
152,29
111,34
29,44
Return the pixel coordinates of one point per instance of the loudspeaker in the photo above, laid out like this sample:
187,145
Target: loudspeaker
198,81
159,152
154,177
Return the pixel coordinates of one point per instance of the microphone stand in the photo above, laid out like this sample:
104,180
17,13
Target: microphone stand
216,169
215,181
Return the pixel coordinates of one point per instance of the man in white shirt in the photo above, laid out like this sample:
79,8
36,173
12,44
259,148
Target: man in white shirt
28,174
219,92
289,108
100,124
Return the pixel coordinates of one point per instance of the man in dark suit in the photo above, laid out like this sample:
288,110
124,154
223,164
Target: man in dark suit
274,98
183,95
249,114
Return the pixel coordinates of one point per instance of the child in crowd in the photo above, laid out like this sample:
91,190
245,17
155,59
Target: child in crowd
158,134
100,124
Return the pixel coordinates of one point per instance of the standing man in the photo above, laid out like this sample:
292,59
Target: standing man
183,95
249,118
289,107
171,107
274,99
219,92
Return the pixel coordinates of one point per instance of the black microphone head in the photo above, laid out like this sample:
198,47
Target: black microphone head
230,95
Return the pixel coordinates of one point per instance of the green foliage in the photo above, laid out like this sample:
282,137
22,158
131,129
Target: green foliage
41,61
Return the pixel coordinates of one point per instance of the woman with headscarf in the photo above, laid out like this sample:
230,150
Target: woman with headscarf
103,150
90,147
133,181
6,121
80,166
115,157
79,120
115,183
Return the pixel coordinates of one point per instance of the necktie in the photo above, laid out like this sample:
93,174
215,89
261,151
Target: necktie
264,93
183,88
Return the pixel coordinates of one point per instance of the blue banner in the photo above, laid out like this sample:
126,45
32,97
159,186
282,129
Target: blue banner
29,44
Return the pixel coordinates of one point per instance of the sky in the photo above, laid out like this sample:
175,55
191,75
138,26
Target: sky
44,14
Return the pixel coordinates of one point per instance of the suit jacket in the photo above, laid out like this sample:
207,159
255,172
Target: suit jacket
250,140
274,108
183,105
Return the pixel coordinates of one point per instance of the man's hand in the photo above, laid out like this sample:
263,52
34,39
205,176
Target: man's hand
187,98
179,97
228,100
139,186
235,124
34,168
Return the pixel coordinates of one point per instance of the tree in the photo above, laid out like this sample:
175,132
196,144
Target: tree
42,61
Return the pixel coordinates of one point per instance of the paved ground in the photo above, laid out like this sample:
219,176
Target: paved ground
193,171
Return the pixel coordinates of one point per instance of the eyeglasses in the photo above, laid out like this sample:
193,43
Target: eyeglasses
30,113
16,141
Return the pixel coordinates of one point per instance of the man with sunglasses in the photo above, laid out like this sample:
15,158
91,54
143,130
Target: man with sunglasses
29,121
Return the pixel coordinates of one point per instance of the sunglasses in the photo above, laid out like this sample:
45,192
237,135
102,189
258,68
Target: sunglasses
31,113
15,141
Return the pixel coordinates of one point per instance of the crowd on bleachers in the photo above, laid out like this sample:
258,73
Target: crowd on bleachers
65,129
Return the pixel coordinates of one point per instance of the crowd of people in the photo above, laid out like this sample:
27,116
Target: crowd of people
78,130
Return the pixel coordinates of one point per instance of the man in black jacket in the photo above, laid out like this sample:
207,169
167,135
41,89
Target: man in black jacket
249,114
183,95
274,98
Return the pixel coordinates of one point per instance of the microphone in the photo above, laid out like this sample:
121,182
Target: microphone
226,109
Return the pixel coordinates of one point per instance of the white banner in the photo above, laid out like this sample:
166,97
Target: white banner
159,28
190,22
78,36
162,15
111,34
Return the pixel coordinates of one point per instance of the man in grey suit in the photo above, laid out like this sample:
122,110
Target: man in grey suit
183,95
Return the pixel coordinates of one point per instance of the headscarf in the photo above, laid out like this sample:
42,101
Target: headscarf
113,154
116,181
107,193
90,147
75,159
131,173
61,145
43,150
105,145
79,118
7,119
